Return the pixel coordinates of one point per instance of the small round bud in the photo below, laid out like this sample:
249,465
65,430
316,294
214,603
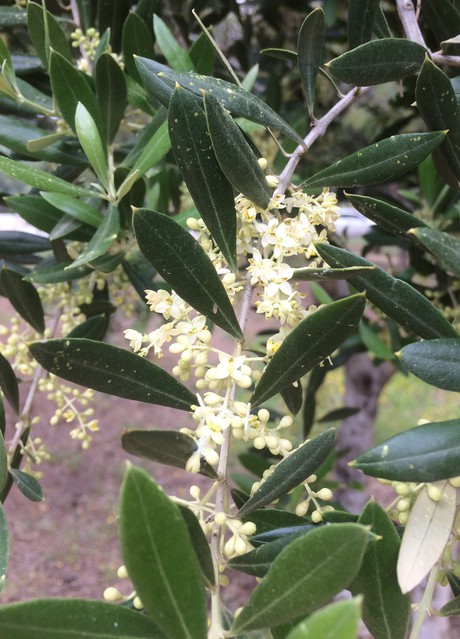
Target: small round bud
122,573
195,492
220,519
433,492
403,505
259,443
324,494
301,509
262,163
137,603
316,517
112,594
455,482
248,528
240,546
263,415
403,517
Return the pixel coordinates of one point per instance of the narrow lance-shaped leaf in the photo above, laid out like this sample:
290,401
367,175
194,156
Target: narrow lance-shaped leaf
445,247
42,180
236,158
181,261
4,547
308,274
310,53
436,361
338,620
236,100
136,39
165,447
389,217
47,35
422,454
426,534
304,576
208,186
102,240
153,533
111,370
177,58
379,61
74,619
314,339
386,611
443,17
437,104
24,298
78,209
27,484
361,18
3,480
291,471
380,162
398,299
91,143
154,151
9,383
111,95
200,545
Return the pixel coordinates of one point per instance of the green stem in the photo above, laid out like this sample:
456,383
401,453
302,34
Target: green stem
425,604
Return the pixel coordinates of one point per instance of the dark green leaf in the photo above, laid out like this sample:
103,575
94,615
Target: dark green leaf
374,343
280,54
310,53
381,28
315,379
454,582
451,608
136,40
361,19
155,86
27,484
437,104
70,87
24,298
308,274
379,61
111,94
9,384
394,297
257,562
443,246
175,55
271,519
181,262
202,54
34,210
102,240
311,341
443,18
236,158
93,328
291,471
41,179
3,480
451,46
422,454
75,208
208,186
111,14
4,547
380,162
304,576
74,619
111,370
389,217
43,37
236,100
200,545
20,243
165,447
339,620
153,533
255,462
436,361
292,396
386,611
338,414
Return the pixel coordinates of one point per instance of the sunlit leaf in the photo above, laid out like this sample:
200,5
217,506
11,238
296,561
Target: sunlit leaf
426,534
153,533
379,61
207,184
102,240
380,162
181,261
310,53
311,341
236,100
304,576
91,143
27,484
41,179
422,454
398,299
339,620
153,151
165,447
386,611
75,208
24,298
111,370
74,619
236,158
291,471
